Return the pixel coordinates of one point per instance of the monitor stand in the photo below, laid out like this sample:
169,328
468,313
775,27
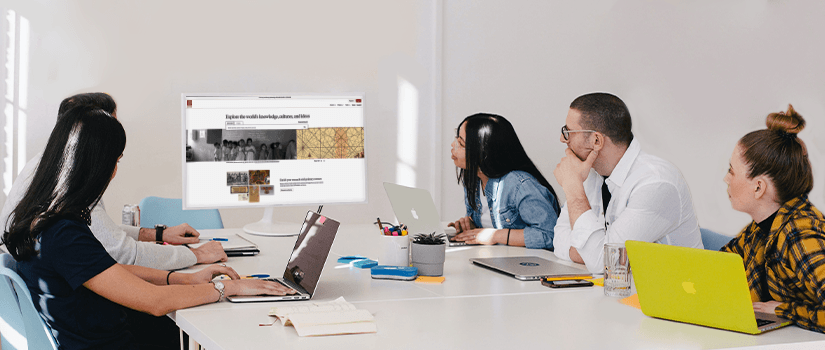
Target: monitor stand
269,227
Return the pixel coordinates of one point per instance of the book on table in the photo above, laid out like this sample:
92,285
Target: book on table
327,318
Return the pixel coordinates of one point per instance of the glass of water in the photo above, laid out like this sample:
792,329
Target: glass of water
616,270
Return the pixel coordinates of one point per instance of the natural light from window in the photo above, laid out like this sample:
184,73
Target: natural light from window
16,79
407,141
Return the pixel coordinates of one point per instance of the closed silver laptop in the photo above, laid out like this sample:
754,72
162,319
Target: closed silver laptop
306,262
528,268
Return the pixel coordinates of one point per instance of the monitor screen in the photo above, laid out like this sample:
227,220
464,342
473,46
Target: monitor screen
264,150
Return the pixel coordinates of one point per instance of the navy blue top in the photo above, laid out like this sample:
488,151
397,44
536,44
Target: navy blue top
68,256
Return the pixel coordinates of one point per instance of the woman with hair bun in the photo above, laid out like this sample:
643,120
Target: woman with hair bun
783,248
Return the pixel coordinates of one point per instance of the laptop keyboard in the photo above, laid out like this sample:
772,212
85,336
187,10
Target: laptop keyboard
283,283
760,322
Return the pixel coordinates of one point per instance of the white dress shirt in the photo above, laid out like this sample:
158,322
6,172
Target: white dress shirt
650,202
120,241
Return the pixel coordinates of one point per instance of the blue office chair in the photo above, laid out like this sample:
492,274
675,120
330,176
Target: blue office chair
712,240
169,212
18,311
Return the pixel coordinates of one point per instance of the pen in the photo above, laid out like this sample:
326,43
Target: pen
219,239
379,224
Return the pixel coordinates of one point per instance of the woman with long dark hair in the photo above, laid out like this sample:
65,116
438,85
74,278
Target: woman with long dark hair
783,248
78,288
508,200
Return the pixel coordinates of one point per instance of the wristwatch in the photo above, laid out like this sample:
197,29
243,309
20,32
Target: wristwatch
159,232
219,287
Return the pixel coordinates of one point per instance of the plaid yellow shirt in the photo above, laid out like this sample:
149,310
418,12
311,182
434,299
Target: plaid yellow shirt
788,263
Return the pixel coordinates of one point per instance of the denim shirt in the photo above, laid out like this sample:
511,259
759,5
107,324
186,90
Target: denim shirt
518,201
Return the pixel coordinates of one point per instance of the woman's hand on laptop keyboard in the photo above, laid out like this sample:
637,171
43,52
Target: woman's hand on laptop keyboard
478,236
463,224
210,272
256,287
768,307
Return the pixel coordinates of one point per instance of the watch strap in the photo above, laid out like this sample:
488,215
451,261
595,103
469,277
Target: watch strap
219,289
159,233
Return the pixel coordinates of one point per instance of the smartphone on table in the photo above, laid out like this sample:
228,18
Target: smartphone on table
566,283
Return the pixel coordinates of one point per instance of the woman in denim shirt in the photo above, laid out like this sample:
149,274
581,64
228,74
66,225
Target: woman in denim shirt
508,200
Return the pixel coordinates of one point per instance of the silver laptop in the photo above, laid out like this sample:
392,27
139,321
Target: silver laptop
306,262
415,208
528,268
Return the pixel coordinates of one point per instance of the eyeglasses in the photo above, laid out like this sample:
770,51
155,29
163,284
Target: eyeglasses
566,132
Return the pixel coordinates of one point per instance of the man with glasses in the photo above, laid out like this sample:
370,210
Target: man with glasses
615,192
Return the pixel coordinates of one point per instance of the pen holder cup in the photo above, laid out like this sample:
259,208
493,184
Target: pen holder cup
395,251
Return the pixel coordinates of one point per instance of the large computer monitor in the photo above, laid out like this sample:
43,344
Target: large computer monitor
266,150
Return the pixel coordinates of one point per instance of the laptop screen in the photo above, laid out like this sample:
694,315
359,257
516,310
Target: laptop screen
311,251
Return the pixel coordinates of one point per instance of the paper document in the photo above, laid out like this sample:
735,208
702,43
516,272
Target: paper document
329,318
229,242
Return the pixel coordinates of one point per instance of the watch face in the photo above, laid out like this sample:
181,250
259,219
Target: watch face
219,285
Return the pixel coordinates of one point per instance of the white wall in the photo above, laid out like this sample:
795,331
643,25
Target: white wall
147,53
696,75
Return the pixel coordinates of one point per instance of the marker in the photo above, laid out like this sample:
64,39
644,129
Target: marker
262,275
219,239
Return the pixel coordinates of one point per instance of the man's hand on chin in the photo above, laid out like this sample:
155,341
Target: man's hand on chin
571,171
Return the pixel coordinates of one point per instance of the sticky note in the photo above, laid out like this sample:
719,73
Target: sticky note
598,281
430,279
632,300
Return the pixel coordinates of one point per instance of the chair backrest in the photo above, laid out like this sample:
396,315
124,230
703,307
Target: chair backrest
22,326
712,240
169,212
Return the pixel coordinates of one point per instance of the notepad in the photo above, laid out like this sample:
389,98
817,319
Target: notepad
233,245
329,318
632,300
430,279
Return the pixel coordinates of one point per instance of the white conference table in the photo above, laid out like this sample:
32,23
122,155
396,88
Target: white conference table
473,308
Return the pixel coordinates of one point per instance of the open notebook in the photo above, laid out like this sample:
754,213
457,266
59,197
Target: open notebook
329,318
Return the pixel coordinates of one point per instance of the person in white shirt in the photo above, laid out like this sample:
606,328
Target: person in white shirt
645,197
128,245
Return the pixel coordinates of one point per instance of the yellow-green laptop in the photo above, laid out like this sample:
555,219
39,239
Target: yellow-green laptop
696,286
